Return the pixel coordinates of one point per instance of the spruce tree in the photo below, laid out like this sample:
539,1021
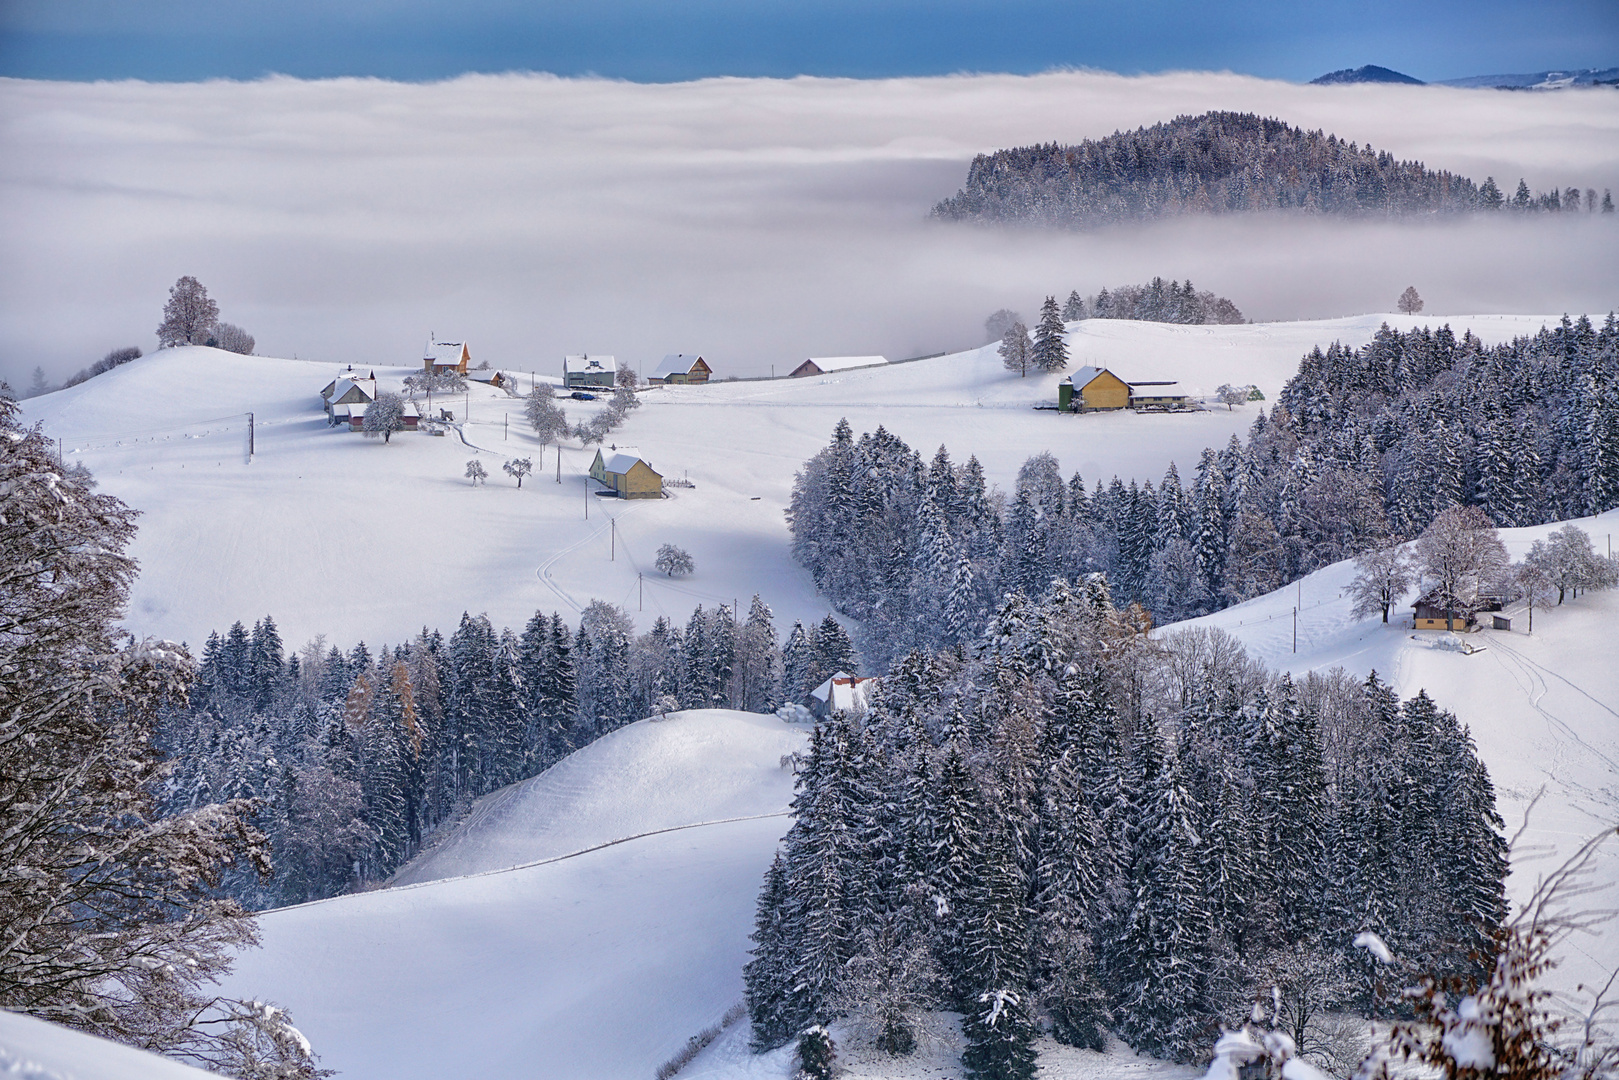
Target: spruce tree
1050,348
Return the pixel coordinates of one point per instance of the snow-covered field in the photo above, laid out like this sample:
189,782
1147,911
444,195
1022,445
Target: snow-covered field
337,534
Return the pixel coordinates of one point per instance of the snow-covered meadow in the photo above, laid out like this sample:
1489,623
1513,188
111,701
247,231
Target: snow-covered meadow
336,534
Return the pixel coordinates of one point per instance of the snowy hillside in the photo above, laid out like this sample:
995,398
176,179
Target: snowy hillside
337,534
595,964
692,768
32,1049
1543,707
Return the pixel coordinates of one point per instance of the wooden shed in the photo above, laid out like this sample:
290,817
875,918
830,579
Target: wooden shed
627,475
680,369
1092,388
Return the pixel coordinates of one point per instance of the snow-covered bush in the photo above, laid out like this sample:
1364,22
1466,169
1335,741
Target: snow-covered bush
816,1054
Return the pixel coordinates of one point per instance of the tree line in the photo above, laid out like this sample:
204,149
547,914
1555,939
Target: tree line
1074,825
354,759
1363,450
1224,163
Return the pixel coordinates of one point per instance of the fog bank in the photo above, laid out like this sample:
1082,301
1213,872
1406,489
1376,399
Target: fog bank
754,221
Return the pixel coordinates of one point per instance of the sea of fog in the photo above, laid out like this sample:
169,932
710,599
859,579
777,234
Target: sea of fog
754,221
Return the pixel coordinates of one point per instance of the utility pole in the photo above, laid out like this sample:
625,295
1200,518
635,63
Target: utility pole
1295,630
559,463
505,426
640,592
587,498
612,527
250,436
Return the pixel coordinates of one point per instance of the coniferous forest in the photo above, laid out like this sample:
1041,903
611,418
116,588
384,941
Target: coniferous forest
1081,826
1223,163
1363,449
355,759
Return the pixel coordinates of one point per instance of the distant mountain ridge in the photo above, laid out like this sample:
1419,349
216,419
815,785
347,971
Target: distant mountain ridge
1368,73
1538,80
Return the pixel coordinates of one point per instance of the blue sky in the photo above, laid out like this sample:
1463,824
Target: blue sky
672,40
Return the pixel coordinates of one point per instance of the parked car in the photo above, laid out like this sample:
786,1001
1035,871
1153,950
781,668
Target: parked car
580,395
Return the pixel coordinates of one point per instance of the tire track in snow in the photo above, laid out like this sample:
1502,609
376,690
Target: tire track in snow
1536,673
541,862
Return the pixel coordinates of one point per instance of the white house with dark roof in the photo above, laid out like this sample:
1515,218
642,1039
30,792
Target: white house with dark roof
585,372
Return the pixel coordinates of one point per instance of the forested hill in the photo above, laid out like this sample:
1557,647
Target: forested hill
1217,163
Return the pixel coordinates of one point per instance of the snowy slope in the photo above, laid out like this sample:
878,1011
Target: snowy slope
32,1049
597,964
1543,707
333,533
699,766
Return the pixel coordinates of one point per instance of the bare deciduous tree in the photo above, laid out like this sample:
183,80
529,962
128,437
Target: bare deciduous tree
1461,557
1410,303
517,468
189,316
476,472
233,338
1381,579
674,562
1016,353
384,416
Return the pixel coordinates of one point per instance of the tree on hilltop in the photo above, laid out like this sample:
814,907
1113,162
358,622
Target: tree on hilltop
189,316
1410,303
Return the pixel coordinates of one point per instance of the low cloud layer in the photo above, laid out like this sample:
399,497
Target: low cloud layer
754,221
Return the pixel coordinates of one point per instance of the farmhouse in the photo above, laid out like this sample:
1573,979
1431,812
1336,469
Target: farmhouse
823,365
441,357
1429,613
585,370
623,471
354,416
347,391
1092,388
678,369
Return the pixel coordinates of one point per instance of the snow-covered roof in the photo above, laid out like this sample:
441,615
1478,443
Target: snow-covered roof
586,362
674,364
843,692
620,462
847,363
444,353
1085,375
368,387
